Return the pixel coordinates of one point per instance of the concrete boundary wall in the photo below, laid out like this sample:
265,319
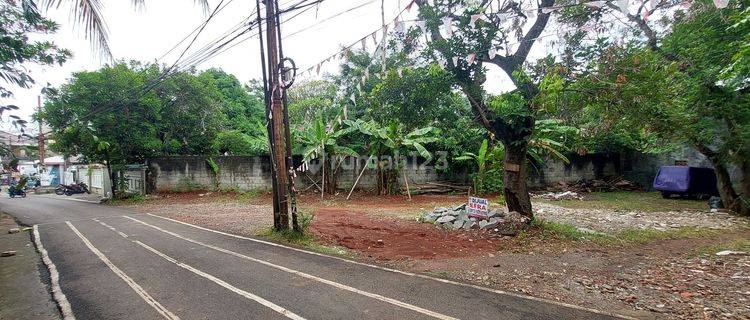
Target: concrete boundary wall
181,173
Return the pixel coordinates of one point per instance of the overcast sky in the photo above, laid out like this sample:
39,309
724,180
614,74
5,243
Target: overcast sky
146,34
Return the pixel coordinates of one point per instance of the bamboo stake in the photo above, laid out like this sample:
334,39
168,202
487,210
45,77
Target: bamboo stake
408,192
360,176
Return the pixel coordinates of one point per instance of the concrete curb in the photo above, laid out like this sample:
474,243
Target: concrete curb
57,295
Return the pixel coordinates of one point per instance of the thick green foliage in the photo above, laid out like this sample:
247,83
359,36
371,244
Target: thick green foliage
114,115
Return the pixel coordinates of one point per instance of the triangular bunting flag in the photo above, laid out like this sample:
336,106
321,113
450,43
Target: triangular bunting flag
624,7
455,61
721,4
448,27
399,26
470,58
492,53
422,25
364,43
474,18
595,4
374,38
317,70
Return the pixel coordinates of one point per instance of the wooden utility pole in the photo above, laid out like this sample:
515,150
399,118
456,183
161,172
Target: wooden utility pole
40,143
277,134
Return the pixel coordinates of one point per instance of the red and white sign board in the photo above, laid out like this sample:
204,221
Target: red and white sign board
478,207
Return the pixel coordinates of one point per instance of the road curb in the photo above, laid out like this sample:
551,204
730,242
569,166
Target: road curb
57,295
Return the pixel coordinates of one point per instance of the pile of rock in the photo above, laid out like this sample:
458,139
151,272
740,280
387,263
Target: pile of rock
567,195
457,217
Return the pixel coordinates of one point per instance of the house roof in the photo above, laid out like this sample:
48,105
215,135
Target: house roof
14,139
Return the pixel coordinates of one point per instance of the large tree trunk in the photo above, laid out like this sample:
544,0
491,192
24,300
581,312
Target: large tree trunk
728,195
744,198
726,190
515,190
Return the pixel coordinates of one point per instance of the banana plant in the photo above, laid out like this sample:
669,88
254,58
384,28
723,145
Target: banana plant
481,159
545,140
320,141
391,139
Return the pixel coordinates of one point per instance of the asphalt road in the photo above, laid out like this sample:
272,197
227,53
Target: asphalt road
118,264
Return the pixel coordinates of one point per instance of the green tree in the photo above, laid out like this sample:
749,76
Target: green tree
236,143
511,117
82,123
190,112
669,85
242,106
19,22
311,99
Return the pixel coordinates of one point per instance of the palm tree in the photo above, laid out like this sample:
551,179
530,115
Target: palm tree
88,14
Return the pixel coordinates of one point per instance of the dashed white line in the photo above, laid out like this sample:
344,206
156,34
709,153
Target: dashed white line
305,275
57,294
264,302
137,288
495,291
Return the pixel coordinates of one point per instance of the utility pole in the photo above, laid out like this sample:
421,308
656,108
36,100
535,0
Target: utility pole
40,143
278,121
269,122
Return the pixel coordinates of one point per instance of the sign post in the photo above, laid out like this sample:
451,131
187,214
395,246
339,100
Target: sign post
478,208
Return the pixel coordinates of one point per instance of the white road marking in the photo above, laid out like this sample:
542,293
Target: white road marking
57,294
500,292
264,302
305,275
137,288
68,199
112,228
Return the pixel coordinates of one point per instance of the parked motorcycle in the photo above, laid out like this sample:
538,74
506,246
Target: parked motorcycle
72,189
14,191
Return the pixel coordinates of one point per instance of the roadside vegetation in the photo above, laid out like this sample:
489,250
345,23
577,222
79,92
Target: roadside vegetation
630,201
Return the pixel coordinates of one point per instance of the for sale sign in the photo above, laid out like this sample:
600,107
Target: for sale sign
478,207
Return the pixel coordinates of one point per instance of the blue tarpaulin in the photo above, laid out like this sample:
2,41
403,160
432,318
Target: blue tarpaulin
672,178
686,180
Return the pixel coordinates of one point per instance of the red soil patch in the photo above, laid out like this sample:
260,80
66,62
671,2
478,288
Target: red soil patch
395,239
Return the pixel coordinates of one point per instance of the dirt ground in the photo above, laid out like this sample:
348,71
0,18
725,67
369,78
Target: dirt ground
677,277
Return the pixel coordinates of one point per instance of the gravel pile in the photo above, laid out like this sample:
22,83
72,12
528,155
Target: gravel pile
457,217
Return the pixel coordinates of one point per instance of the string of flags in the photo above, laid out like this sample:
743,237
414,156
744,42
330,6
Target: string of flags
447,26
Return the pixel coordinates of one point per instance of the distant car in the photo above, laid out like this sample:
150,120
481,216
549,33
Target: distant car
687,182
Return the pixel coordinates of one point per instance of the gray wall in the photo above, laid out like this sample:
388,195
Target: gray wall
245,173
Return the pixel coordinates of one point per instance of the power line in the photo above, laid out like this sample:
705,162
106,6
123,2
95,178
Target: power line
203,54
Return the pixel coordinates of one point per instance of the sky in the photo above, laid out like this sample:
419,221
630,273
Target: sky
145,34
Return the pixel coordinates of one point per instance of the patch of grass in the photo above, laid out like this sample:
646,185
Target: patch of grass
734,245
186,185
302,239
631,201
241,195
125,199
551,229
